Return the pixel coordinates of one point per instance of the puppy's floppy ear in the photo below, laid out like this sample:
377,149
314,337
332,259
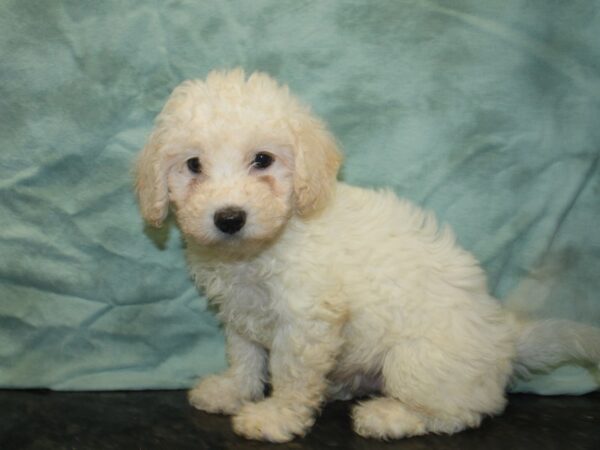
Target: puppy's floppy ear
317,161
151,181
152,164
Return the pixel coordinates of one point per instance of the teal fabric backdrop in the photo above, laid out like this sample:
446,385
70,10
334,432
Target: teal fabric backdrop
487,112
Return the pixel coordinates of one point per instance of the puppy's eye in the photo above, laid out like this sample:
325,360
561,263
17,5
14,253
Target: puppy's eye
262,160
194,165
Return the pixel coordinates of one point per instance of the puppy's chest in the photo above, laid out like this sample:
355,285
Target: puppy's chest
246,303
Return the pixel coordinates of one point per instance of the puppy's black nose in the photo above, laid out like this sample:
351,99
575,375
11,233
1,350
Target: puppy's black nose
230,220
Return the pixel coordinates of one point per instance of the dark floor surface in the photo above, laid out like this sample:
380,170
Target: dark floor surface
163,420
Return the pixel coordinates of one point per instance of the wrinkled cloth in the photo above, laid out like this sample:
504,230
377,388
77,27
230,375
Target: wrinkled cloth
487,113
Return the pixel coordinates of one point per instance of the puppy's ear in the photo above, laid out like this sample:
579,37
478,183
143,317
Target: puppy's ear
152,164
317,162
151,181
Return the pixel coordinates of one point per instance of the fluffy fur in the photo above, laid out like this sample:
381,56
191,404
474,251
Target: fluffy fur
327,291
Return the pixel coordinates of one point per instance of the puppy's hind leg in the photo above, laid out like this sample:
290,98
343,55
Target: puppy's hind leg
390,418
425,392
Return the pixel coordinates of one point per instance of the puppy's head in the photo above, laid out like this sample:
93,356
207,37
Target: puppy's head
236,157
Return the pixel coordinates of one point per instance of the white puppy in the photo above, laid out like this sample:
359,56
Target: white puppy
326,290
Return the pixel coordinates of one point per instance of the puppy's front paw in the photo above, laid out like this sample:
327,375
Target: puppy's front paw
271,420
216,394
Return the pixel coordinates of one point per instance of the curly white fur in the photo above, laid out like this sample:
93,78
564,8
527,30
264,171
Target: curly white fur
327,291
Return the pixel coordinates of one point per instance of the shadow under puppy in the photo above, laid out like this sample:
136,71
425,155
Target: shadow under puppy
326,290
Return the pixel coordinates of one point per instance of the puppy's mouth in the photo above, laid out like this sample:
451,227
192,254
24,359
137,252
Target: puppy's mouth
230,239
231,228
247,239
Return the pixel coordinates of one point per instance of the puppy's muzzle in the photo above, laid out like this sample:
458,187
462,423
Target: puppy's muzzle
230,220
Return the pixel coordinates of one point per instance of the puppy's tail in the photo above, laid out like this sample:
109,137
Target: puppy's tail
546,344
